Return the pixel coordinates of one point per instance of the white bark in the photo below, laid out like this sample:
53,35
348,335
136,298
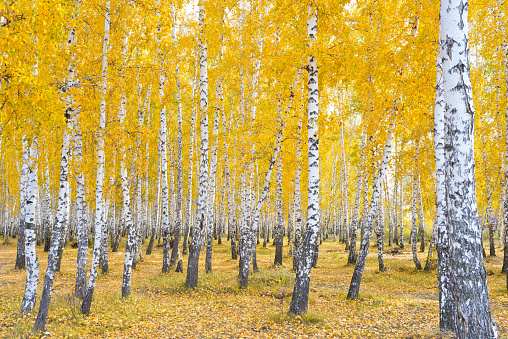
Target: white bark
20,255
354,287
212,182
57,229
32,263
356,211
101,162
175,254
82,238
472,317
193,262
299,302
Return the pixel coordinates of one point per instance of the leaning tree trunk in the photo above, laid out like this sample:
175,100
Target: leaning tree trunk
470,296
195,248
32,263
428,262
59,222
354,287
299,302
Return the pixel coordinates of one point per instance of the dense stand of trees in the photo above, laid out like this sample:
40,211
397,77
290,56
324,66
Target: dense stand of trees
401,134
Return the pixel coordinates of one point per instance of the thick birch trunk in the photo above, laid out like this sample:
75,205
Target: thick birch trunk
299,302
195,248
354,287
472,317
32,263
126,199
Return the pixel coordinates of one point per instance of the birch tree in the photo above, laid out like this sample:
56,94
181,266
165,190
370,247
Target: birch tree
195,248
299,302
32,263
354,287
471,317
101,162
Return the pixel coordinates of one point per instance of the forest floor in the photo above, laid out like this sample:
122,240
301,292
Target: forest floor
398,303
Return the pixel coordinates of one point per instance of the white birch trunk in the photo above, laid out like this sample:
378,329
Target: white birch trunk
414,189
354,222
82,238
42,314
354,287
101,162
20,254
195,248
299,302
32,263
188,210
472,317
175,254
212,184
297,200
504,47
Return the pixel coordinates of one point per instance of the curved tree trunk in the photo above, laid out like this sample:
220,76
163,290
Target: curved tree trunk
42,314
